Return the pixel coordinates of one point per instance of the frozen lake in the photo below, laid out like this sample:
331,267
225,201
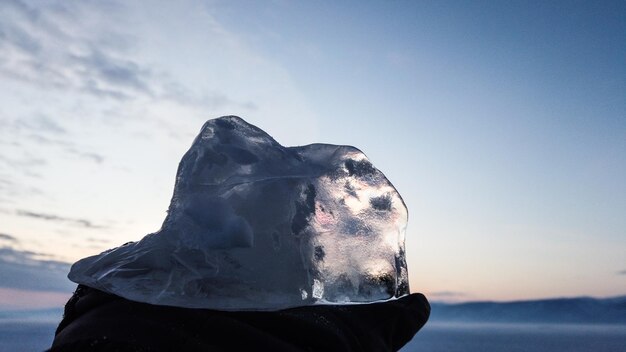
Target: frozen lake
452,337
27,335
32,335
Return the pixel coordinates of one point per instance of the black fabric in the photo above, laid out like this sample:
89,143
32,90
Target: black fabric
98,321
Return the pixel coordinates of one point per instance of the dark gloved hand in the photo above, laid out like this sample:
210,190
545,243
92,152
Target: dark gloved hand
98,321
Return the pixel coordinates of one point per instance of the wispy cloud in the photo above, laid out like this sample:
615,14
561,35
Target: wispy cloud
623,272
95,157
49,46
57,218
448,294
10,190
28,146
23,163
26,163
47,141
40,123
43,131
112,77
65,46
22,269
68,52
98,240
9,238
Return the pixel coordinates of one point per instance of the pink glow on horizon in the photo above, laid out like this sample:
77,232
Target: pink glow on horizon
16,299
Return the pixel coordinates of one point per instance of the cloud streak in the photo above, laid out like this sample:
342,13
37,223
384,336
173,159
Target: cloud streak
65,46
9,238
41,123
56,218
95,157
448,294
29,147
47,46
25,270
112,77
11,190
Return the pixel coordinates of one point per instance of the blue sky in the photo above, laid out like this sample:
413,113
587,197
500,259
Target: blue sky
502,124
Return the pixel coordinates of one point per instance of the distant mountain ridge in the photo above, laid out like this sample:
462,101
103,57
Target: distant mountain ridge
580,310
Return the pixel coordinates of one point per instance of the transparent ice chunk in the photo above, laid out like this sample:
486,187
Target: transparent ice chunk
253,225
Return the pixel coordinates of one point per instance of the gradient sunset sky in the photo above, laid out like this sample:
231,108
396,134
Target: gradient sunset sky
501,123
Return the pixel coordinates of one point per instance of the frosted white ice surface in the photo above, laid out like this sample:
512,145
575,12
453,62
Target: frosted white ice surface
254,225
